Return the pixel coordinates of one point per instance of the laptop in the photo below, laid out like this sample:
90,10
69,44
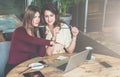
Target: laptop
71,63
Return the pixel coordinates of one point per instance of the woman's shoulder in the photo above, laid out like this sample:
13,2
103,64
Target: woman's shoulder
63,24
19,28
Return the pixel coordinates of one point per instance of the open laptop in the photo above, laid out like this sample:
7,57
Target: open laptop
71,63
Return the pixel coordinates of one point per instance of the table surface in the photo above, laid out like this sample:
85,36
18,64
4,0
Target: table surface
93,68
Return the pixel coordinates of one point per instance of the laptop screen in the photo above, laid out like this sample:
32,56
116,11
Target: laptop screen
72,62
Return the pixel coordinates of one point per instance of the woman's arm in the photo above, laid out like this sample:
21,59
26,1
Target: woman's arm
49,50
57,46
21,34
72,45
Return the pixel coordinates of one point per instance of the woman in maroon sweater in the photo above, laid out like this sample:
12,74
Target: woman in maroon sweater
24,43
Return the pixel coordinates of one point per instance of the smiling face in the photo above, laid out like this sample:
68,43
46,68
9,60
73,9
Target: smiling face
36,19
49,17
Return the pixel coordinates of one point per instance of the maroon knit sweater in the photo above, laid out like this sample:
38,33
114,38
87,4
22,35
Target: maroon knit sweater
23,46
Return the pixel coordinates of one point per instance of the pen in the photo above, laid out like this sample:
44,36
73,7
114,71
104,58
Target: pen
29,68
24,70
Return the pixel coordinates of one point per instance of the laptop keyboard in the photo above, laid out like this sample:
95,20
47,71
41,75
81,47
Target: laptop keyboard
62,67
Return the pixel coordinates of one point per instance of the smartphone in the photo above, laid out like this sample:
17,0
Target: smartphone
33,74
105,64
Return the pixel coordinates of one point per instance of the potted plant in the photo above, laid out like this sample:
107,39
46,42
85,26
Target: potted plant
64,6
40,3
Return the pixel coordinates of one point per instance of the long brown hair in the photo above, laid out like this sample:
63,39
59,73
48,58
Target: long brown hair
51,7
28,17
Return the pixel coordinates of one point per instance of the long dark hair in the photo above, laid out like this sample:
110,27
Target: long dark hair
29,15
51,7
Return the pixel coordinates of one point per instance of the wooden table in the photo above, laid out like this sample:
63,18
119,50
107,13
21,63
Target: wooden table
91,68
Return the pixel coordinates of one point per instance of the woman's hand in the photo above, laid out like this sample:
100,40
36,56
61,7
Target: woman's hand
47,31
56,31
58,47
75,31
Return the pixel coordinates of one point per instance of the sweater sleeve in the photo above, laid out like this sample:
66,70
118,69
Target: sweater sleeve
21,34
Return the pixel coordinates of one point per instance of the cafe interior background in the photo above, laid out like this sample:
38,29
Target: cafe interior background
97,20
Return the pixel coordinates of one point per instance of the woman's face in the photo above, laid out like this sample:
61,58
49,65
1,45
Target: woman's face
49,17
36,19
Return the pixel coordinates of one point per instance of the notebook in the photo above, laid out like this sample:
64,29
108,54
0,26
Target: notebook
73,62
